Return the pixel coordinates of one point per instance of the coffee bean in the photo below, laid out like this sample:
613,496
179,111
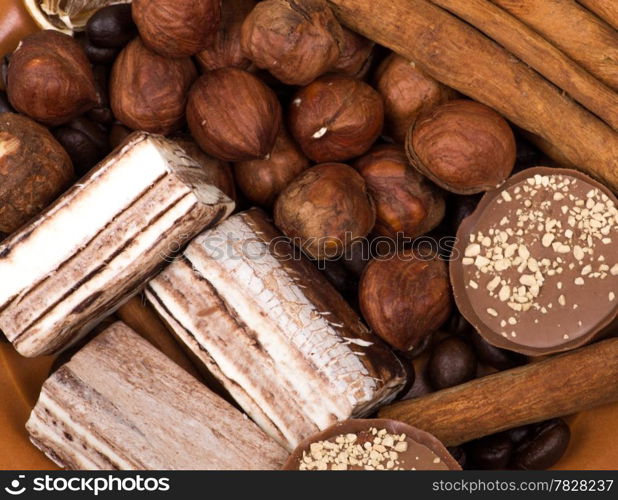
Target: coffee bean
5,106
102,113
94,131
342,279
545,446
500,359
457,325
83,151
459,454
111,26
4,71
489,453
452,362
97,55
519,434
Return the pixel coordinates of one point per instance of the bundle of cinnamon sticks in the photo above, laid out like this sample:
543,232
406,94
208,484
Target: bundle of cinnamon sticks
551,68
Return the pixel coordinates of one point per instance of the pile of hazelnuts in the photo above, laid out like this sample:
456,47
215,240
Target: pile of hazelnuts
362,158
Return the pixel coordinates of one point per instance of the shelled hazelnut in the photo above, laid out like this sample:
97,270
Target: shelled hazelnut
50,78
296,41
407,92
463,146
176,28
233,115
325,209
34,170
218,172
356,55
224,50
148,91
336,118
406,202
261,181
405,297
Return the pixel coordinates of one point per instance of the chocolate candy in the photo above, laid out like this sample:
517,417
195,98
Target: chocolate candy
375,444
536,267
452,362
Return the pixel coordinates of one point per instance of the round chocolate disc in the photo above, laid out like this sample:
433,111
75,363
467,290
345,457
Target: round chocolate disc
535,267
371,444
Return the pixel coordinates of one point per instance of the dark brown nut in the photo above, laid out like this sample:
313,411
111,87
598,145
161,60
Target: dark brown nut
489,453
325,209
148,91
407,92
405,297
544,448
296,40
224,51
34,170
356,55
219,173
50,78
233,115
463,146
176,28
500,359
97,55
111,26
261,181
452,362
406,202
336,118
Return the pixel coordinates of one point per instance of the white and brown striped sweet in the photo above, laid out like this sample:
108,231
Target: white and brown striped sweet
100,241
266,323
121,404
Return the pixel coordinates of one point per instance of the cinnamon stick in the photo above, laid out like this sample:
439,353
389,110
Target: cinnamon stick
573,29
555,387
458,55
538,53
604,9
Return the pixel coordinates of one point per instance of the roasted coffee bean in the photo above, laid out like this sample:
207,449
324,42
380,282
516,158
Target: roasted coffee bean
97,55
5,107
519,434
489,453
500,359
452,362
94,131
459,454
544,447
419,350
111,26
83,151
358,256
102,113
457,325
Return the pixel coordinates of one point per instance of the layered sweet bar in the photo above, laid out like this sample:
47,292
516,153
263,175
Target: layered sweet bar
267,324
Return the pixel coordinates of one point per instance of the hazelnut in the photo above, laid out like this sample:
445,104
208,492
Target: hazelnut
405,297
336,118
218,172
407,92
34,170
261,181
233,115
356,55
224,49
296,40
406,202
176,28
50,78
148,91
325,209
463,146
